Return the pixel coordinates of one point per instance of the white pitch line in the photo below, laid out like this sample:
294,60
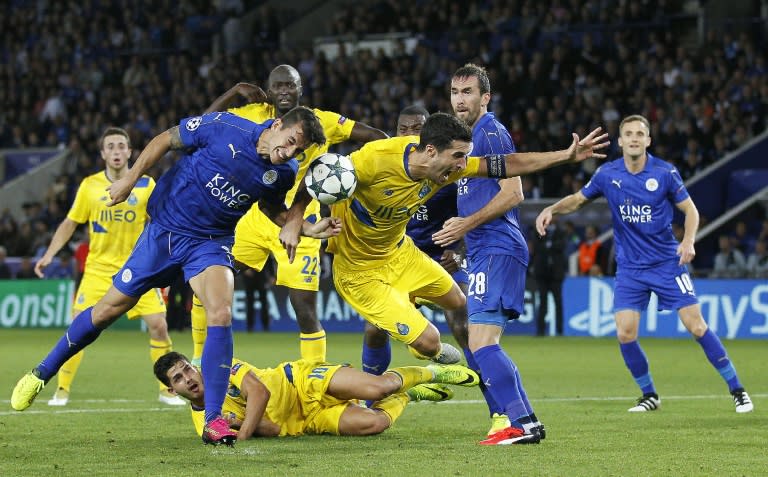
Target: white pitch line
113,410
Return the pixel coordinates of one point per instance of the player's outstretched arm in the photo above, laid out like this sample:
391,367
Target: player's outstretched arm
62,235
155,150
363,133
251,92
686,250
521,163
256,397
564,206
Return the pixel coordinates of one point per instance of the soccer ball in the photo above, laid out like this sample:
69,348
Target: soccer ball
331,178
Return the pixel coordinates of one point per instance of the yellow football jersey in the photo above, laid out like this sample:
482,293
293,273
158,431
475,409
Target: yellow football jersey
336,127
113,230
283,407
374,218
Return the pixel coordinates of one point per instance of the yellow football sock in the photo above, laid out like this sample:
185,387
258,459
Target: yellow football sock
158,348
199,328
312,346
411,376
392,406
68,371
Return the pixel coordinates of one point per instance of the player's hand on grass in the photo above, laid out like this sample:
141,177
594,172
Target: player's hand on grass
582,149
120,190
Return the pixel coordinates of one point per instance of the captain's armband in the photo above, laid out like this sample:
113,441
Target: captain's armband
496,166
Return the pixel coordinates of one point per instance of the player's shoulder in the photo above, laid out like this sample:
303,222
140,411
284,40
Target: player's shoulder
256,112
144,181
391,145
660,165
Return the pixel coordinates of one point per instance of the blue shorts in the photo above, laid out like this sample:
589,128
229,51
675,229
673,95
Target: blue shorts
160,255
460,275
670,282
496,287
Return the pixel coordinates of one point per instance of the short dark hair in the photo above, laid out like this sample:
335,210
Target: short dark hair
414,110
166,362
114,131
310,125
441,130
471,69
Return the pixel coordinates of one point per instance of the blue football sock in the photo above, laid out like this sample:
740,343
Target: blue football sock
498,372
523,394
81,333
493,407
636,361
717,355
216,364
376,360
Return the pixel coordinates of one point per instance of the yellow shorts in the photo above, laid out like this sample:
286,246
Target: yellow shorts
382,296
322,412
256,237
95,285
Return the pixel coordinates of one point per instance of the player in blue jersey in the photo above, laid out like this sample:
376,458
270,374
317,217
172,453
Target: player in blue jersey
641,190
231,164
497,260
377,352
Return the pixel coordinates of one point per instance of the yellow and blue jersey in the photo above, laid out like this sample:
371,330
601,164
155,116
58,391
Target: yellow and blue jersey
112,230
374,219
336,127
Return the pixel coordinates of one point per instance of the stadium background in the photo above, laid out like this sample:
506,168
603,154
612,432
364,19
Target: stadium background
697,70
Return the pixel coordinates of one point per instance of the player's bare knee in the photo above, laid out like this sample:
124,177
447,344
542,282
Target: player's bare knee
219,315
626,335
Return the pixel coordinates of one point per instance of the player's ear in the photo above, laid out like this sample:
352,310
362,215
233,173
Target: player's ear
485,99
647,141
620,142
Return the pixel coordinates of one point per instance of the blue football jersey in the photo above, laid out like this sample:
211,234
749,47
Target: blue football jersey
501,236
430,217
206,192
642,209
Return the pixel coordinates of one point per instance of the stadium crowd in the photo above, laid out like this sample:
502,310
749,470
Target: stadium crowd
69,69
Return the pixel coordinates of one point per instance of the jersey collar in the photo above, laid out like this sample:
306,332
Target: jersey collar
406,154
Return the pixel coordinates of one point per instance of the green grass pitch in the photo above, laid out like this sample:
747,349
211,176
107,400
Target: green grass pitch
114,425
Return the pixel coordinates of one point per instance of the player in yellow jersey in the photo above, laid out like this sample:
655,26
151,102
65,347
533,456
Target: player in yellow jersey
302,397
376,268
113,232
256,237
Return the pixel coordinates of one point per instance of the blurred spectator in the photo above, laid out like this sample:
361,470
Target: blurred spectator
757,262
741,239
26,269
729,262
589,250
5,270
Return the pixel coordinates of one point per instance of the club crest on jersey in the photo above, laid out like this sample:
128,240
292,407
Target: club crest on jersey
425,189
193,123
81,298
127,275
269,177
232,391
402,329
132,199
651,184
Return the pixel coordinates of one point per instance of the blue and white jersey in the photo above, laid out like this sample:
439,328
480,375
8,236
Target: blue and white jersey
430,217
206,192
501,236
642,209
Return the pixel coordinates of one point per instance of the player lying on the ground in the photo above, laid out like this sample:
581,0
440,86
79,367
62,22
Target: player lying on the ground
299,397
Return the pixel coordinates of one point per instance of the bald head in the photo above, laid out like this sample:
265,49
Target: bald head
284,88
